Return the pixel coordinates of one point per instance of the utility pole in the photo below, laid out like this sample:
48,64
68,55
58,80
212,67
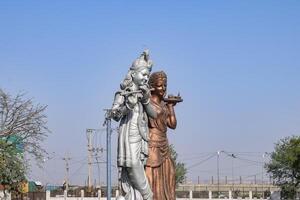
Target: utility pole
66,159
98,170
93,151
90,156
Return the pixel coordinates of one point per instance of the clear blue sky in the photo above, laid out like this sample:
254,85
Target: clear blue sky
236,64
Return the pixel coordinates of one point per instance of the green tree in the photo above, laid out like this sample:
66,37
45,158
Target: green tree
12,168
284,166
180,168
22,130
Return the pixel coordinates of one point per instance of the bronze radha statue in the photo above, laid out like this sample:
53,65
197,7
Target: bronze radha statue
160,168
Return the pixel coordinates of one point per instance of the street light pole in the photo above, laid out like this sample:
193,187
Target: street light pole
218,172
232,169
66,159
262,175
108,152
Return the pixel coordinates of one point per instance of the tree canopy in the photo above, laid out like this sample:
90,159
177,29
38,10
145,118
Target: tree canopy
22,130
284,166
180,168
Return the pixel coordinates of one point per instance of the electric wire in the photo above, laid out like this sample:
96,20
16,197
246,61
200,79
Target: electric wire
202,161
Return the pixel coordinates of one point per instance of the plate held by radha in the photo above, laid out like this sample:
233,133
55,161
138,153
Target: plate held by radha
173,99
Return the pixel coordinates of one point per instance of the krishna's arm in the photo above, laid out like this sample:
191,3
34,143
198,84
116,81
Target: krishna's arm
118,108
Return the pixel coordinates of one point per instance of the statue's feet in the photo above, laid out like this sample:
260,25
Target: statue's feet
120,198
148,197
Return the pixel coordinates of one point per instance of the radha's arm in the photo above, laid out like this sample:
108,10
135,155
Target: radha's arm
171,120
150,110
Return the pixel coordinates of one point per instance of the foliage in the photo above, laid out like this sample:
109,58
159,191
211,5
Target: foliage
180,168
22,129
12,168
284,166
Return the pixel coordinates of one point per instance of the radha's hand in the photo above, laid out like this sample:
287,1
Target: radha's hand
171,104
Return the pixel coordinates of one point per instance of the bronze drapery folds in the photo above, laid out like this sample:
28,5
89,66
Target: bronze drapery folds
160,168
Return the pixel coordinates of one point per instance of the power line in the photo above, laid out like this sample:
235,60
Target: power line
195,157
78,169
202,161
